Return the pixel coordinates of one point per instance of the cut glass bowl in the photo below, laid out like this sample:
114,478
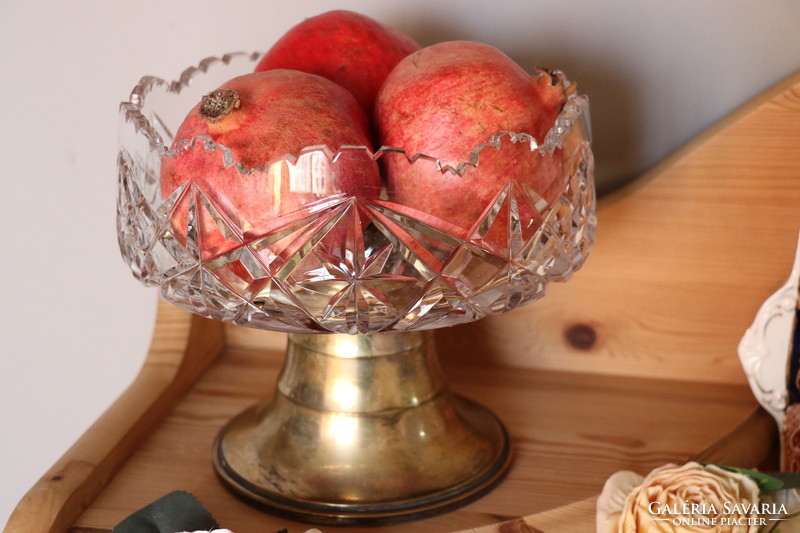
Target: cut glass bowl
336,262
362,427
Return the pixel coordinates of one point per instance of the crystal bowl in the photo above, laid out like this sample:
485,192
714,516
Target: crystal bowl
336,262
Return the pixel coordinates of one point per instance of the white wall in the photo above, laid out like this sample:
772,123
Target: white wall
75,325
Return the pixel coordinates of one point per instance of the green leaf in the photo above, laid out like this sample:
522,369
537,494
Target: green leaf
765,482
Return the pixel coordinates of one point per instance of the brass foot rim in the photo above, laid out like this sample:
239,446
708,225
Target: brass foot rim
365,513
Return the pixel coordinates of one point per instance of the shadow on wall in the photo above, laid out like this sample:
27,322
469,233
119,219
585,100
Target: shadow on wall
613,104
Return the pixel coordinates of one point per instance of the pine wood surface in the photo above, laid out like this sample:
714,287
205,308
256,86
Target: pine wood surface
630,364
570,431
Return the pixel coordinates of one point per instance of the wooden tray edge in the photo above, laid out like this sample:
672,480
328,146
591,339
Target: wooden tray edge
182,347
789,84
749,445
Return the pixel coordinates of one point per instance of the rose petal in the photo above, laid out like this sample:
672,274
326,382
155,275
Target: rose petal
612,499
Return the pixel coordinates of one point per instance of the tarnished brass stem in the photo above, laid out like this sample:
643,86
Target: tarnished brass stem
362,429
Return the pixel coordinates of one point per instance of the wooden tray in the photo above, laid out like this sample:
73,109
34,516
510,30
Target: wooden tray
630,365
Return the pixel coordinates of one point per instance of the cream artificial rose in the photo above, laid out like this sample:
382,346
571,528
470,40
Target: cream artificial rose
691,498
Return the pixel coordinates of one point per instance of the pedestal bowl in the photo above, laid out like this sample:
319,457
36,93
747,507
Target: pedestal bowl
361,427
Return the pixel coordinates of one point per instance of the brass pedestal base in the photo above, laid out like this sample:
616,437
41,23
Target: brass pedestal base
362,430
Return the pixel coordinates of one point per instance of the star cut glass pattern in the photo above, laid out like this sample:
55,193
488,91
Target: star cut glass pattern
336,262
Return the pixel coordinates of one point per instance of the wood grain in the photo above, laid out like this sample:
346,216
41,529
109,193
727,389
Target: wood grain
574,518
750,443
629,365
569,432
